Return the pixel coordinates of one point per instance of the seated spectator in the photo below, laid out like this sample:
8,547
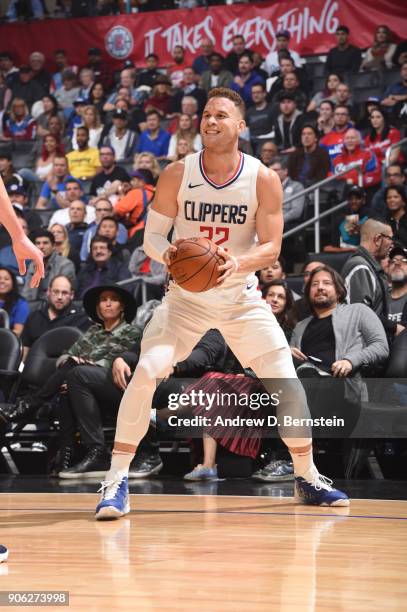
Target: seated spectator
83,163
51,109
18,124
62,63
309,163
149,272
7,67
276,271
91,120
381,136
7,257
333,141
398,91
54,265
26,87
86,80
238,50
257,63
260,117
73,191
339,338
150,73
286,66
11,301
103,208
19,199
100,269
120,137
328,93
110,179
7,171
57,311
76,227
347,222
101,70
400,54
344,97
379,55
201,62
75,118
63,246
353,153
42,76
268,152
364,277
245,78
396,202
147,161
132,209
281,300
398,293
394,176
302,305
50,150
175,70
272,62
363,124
189,88
182,149
288,124
97,98
216,75
189,106
186,130
292,211
109,228
126,82
56,128
68,93
325,119
161,98
291,87
344,57
154,139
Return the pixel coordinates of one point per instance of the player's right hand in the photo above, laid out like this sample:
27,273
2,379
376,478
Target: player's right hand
169,253
120,372
24,249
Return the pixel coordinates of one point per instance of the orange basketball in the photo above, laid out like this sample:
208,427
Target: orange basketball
194,266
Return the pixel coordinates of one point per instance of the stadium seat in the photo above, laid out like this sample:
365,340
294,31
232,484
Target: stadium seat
23,154
10,358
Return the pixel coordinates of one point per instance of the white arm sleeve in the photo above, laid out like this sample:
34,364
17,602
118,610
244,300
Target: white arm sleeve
155,235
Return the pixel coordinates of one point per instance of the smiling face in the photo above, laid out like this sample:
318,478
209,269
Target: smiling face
322,291
221,123
351,140
6,282
394,201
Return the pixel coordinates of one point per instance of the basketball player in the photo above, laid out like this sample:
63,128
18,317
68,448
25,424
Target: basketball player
23,247
229,197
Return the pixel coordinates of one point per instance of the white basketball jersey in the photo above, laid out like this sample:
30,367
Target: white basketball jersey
226,213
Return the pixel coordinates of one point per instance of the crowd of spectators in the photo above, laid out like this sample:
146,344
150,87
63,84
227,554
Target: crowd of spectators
81,150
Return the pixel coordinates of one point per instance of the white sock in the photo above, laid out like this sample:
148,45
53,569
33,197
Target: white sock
303,464
119,466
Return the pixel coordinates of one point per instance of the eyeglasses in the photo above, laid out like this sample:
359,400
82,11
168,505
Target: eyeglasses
387,236
398,261
103,209
390,174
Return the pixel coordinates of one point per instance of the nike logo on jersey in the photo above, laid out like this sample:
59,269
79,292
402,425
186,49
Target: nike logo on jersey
190,186
248,287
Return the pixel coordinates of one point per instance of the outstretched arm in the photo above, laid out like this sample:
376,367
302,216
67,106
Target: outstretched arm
23,247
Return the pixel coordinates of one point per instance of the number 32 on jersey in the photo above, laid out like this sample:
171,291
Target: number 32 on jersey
211,232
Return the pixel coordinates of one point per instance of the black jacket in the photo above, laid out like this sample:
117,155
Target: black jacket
38,322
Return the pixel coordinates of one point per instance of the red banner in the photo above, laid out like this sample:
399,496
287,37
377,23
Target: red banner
312,24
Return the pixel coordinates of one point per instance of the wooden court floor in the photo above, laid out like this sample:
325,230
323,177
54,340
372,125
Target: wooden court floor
207,553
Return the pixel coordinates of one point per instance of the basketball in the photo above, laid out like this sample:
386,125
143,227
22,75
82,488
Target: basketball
194,266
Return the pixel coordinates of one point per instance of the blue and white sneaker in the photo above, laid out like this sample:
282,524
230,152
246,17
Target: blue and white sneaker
114,499
3,553
202,473
318,491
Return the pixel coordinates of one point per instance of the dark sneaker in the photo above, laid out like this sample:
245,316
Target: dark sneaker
145,466
3,553
63,460
95,464
275,471
16,412
318,491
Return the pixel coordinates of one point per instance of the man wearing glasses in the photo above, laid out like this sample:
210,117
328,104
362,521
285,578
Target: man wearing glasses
333,141
397,271
364,277
103,208
394,176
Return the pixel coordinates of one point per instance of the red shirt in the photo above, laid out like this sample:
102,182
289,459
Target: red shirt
366,159
379,147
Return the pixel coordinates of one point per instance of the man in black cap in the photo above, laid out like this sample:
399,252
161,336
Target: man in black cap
288,124
100,68
19,199
151,72
120,138
346,223
397,271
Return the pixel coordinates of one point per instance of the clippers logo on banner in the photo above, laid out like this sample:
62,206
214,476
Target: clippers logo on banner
311,23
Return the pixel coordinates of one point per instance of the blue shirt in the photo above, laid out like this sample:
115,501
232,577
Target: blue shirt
50,195
158,146
246,90
8,259
19,312
91,231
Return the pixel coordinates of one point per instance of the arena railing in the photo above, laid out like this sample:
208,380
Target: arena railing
396,145
315,190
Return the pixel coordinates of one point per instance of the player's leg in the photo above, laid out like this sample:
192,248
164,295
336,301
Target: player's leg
161,348
259,343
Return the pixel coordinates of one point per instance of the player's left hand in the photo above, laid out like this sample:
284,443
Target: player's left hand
341,368
25,249
230,266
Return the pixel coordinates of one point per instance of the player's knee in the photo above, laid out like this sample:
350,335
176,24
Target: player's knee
275,364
